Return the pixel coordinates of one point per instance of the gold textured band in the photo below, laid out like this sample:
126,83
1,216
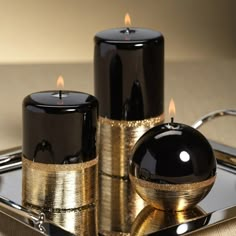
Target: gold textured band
174,197
51,186
116,140
67,194
172,187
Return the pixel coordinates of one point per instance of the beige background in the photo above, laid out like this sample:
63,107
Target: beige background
41,31
39,40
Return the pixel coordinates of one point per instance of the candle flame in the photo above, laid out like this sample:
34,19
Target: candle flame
60,82
127,20
172,108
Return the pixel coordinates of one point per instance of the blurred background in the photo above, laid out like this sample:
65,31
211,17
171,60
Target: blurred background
62,31
40,40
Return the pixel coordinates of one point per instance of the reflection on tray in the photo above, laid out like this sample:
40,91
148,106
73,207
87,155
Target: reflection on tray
119,204
118,216
151,220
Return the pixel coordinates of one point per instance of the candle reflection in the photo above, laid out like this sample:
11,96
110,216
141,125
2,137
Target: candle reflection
151,220
134,107
116,85
44,151
183,228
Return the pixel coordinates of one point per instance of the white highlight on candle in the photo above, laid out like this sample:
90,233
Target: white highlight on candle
184,156
183,228
57,95
138,45
170,132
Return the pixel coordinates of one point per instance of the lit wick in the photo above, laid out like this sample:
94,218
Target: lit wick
60,84
127,31
127,23
172,111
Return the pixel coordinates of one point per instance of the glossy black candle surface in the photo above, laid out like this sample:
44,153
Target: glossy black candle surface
129,73
59,130
173,154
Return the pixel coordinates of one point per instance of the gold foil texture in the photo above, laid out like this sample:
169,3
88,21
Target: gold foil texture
174,197
116,140
118,202
67,194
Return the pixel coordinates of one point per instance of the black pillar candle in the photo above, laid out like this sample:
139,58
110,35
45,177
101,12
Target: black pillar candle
59,130
59,162
129,73
129,84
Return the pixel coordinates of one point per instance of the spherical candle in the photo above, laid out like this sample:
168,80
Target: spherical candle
173,167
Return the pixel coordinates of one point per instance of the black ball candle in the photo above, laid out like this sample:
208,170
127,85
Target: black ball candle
173,167
59,161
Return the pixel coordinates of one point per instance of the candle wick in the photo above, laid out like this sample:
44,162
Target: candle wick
60,94
127,31
172,120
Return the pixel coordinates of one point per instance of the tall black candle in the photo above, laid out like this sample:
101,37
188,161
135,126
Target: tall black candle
59,162
129,84
129,73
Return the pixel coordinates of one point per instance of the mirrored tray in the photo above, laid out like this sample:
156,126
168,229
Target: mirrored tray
151,221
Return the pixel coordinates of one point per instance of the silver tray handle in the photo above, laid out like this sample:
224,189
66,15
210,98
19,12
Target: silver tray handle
213,115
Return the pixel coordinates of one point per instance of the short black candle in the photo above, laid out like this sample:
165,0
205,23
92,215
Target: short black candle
129,73
59,127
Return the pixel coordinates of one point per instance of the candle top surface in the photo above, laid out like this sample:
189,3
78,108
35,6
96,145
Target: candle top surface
67,99
128,35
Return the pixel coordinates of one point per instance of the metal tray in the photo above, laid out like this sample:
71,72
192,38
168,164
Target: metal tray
217,206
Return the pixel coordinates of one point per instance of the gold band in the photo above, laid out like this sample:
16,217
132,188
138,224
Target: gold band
57,167
67,194
134,124
52,186
172,187
174,197
116,140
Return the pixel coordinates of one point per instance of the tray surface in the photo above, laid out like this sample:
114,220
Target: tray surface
221,196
